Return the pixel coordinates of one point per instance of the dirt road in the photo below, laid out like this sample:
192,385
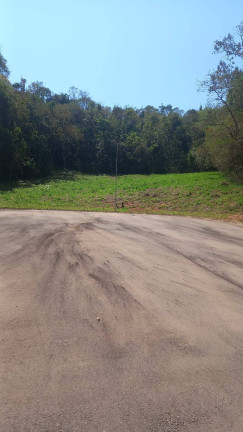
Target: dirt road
120,323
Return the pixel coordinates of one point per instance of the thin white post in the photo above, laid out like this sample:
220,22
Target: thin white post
116,177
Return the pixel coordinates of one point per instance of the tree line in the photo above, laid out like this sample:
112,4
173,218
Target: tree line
41,131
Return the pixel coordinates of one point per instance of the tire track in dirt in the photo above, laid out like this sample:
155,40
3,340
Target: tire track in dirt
114,322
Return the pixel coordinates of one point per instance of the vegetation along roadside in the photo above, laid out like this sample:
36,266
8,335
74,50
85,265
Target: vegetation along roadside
205,194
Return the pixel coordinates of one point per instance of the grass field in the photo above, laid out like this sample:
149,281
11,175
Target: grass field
207,194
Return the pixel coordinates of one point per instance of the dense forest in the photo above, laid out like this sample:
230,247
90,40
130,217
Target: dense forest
41,131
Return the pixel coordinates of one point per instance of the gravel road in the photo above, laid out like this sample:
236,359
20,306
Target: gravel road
120,323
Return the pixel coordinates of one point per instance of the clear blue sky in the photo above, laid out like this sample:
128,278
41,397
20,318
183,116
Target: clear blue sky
127,52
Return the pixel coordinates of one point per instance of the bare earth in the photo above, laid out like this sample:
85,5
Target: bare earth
117,322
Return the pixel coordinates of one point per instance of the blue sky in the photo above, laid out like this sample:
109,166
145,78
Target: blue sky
137,52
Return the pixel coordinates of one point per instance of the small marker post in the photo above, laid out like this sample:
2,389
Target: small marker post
116,177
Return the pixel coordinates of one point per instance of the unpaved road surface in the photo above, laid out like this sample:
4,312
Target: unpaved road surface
119,323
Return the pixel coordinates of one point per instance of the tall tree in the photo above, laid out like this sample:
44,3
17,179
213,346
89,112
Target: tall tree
225,123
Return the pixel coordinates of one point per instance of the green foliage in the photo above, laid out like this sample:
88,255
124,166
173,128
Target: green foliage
223,146
4,70
41,131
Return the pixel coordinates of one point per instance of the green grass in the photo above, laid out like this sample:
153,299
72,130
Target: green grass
207,194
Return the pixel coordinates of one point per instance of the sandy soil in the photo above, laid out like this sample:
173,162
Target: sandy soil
114,322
